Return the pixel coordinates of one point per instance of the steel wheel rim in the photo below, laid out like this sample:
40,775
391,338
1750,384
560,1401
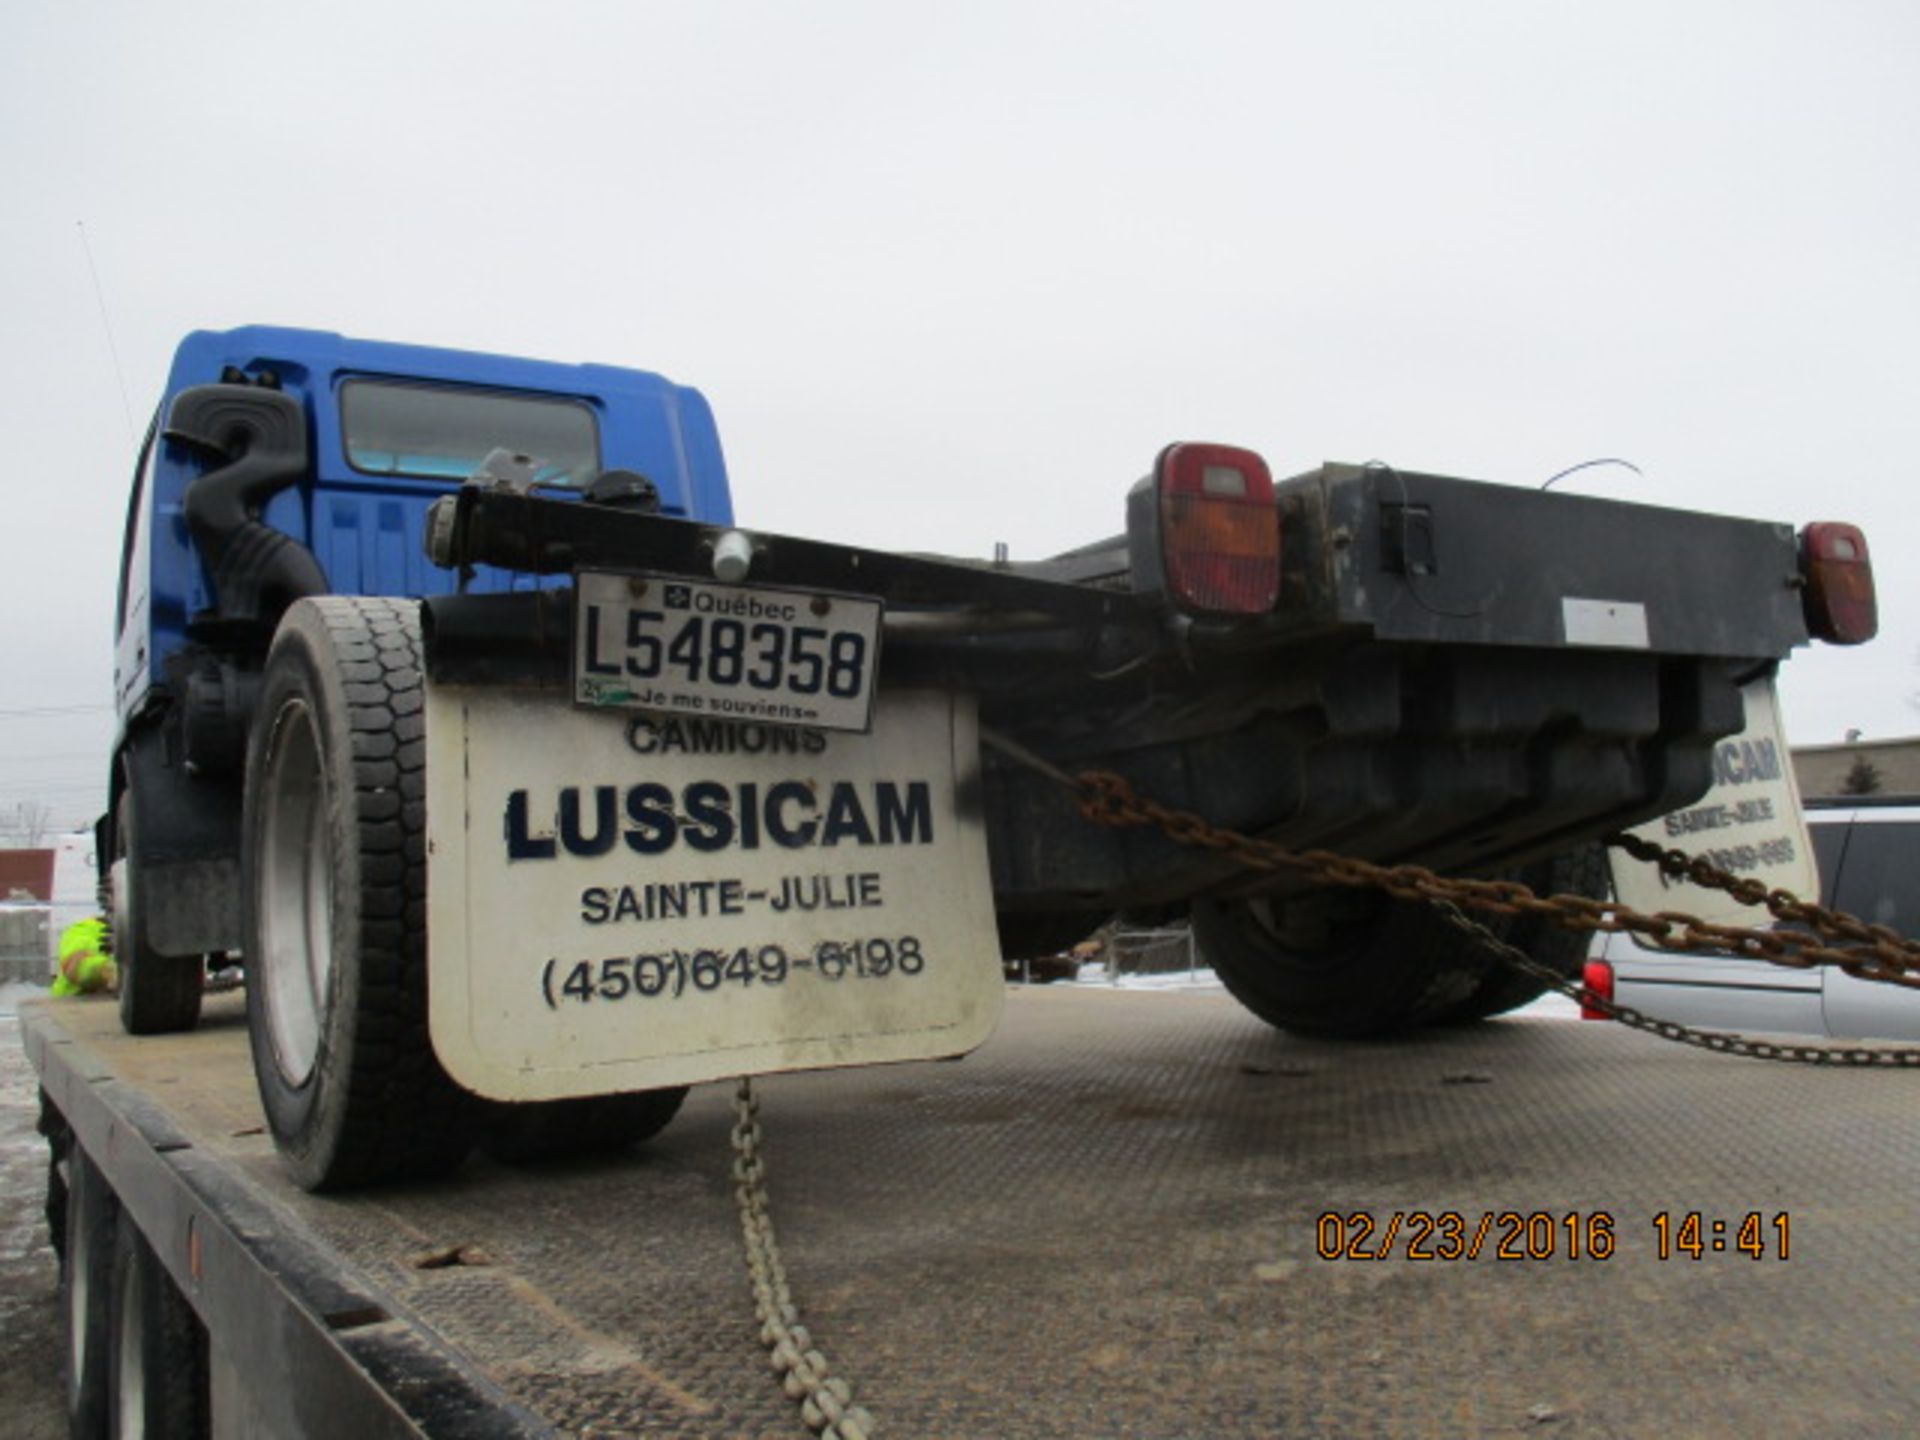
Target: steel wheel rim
295,894
119,882
79,1290
130,1407
1264,917
120,879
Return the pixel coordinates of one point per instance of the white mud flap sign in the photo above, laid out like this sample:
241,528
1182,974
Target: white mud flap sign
1750,823
622,901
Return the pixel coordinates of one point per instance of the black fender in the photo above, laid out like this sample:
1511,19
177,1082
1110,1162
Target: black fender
186,846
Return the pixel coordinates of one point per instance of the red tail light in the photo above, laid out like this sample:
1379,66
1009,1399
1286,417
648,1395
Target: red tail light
1597,980
1203,530
1839,595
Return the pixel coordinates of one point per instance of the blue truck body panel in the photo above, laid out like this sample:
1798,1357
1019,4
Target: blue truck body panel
365,528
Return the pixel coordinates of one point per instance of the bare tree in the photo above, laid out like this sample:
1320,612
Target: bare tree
27,825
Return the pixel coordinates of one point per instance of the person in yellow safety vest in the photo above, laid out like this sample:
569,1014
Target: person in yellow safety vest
85,962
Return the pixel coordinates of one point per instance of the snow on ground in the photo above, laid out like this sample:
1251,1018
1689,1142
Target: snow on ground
1094,976
1550,1007
13,992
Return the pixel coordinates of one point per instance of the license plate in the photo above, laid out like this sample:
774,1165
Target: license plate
1749,823
728,652
621,901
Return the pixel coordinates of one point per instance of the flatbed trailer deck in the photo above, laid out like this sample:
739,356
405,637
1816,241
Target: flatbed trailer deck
1107,1222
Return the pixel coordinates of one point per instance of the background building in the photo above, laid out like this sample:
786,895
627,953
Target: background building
1859,767
26,898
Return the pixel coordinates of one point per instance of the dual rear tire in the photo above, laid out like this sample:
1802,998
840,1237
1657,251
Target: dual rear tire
157,1349
335,890
335,883
86,1287
136,1362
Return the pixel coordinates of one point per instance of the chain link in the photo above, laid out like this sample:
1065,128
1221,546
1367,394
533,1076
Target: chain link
1876,953
1879,953
1891,954
1719,1041
826,1402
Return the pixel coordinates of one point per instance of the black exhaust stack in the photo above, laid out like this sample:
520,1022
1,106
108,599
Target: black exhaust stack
257,438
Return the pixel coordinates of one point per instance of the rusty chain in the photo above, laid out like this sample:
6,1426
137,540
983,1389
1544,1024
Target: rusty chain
1876,953
826,1402
1719,1041
1879,953
1879,947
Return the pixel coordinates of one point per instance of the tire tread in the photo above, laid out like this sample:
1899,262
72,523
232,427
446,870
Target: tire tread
399,1114
1400,968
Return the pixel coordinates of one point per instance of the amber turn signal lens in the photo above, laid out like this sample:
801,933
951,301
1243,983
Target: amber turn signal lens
1219,531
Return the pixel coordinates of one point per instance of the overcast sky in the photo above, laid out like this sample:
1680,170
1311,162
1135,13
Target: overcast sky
953,275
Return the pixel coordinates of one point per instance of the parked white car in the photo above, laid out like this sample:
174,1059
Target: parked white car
1868,851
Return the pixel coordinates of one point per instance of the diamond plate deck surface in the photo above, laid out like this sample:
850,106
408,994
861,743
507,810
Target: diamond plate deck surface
1102,1225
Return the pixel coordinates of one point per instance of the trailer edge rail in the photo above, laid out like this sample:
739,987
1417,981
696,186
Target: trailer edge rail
297,1336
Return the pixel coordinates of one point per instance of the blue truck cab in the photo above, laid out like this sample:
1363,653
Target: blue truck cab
387,429
284,463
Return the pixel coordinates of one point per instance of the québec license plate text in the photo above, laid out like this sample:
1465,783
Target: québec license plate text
731,652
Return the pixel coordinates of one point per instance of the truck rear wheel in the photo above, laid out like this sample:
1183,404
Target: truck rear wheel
594,1125
1341,966
159,994
335,885
1582,871
1349,965
86,1282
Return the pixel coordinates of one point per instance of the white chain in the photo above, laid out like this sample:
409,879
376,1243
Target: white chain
826,1402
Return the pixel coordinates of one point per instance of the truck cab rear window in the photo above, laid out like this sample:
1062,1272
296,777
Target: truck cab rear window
443,433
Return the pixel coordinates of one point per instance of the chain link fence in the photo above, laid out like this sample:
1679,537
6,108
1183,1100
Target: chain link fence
1168,951
29,934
